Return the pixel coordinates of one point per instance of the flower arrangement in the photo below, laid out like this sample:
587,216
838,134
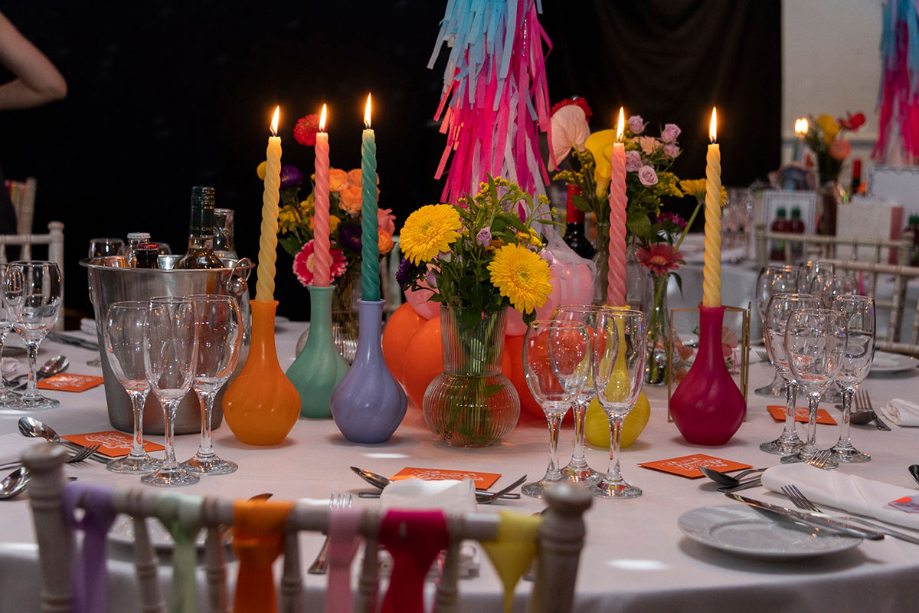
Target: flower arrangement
826,138
479,255
295,217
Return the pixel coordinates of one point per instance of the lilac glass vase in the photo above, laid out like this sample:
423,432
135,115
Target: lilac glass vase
368,404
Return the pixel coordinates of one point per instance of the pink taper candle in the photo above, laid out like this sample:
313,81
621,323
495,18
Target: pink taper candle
615,295
711,270
322,258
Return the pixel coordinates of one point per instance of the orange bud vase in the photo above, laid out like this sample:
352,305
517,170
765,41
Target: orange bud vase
261,406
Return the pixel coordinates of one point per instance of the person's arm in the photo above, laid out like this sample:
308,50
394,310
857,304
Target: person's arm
37,80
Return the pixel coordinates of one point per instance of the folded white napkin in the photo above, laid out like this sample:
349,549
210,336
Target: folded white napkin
902,412
841,491
449,495
13,444
88,326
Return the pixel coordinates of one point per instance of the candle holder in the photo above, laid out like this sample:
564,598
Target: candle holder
368,404
707,406
319,367
261,406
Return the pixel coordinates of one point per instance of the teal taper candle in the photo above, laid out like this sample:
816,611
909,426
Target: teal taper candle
370,250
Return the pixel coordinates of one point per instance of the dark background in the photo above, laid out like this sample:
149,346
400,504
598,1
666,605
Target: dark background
166,95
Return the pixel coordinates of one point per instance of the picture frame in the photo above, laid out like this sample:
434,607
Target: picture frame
774,199
896,185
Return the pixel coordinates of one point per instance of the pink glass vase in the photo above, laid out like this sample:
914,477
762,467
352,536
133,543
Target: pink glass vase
707,407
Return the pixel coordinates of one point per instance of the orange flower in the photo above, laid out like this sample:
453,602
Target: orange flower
338,180
384,242
351,199
355,176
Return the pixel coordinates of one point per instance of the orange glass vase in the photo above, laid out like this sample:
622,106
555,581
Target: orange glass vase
261,406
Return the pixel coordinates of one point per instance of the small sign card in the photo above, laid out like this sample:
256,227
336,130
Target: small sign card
66,382
483,481
114,444
778,412
688,465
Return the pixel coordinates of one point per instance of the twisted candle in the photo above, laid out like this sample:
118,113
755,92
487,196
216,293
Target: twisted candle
268,241
322,257
370,250
711,279
615,293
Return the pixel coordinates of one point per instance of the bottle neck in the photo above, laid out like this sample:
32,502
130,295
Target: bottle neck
573,213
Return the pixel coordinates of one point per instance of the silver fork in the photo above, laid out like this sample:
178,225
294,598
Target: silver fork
762,355
320,565
820,459
803,502
862,398
75,458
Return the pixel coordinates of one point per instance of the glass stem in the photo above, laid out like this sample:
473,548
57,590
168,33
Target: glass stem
205,447
791,394
170,407
137,445
555,424
580,410
615,434
846,414
4,392
810,447
31,388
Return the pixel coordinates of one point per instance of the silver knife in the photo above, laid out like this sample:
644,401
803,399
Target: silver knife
811,520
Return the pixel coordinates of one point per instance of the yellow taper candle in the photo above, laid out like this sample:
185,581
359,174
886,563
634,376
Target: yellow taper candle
711,273
268,242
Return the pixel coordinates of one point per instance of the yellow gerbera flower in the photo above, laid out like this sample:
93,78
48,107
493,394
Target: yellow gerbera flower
428,231
522,276
696,189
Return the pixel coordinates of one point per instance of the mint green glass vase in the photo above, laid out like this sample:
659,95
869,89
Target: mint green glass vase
319,367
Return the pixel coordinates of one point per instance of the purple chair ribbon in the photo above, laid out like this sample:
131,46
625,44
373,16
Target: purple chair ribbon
181,515
344,538
90,577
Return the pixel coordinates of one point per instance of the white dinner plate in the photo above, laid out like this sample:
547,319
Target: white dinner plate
892,362
747,532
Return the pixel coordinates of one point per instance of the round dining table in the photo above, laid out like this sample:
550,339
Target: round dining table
635,558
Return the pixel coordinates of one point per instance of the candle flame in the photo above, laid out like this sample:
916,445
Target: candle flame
274,121
322,119
713,126
801,127
621,129
367,113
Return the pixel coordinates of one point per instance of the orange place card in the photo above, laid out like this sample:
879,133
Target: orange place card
483,481
688,465
114,444
778,412
66,382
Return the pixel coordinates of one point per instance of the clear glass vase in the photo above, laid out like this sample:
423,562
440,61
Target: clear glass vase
471,404
660,353
601,260
345,320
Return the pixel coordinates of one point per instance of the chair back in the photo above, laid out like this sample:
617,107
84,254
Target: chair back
22,193
811,247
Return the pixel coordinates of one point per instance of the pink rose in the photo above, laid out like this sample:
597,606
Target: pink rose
632,161
671,151
670,133
649,144
386,221
636,124
647,176
839,149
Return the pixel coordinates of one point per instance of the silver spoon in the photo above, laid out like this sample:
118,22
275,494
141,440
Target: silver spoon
33,428
914,471
54,366
14,483
727,480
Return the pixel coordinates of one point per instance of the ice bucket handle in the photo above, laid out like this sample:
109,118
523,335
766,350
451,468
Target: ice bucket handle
235,282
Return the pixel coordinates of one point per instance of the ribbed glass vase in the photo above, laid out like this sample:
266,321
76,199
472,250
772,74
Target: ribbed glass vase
471,404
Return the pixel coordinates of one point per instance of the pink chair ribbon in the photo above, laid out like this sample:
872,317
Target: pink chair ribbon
344,538
90,577
414,539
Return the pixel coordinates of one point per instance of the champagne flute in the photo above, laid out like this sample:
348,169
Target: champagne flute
859,317
33,290
219,331
124,345
7,398
774,280
778,310
618,371
556,360
170,348
814,343
577,469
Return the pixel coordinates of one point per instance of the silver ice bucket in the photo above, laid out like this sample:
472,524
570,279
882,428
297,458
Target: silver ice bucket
108,284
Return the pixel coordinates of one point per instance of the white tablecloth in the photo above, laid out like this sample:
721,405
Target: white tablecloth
635,558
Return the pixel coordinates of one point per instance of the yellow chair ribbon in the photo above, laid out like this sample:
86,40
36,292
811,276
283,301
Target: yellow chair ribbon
512,552
181,515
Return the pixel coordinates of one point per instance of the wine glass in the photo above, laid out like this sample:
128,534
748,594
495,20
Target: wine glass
859,317
618,371
815,340
33,293
830,285
170,348
219,331
556,361
105,247
810,269
774,280
7,398
577,469
124,346
778,310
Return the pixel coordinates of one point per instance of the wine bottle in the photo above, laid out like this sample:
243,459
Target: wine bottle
200,252
574,230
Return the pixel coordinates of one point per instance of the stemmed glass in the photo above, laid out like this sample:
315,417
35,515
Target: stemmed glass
858,315
556,360
124,345
7,398
830,285
778,310
810,269
33,293
219,332
774,280
618,371
170,348
815,340
104,247
577,469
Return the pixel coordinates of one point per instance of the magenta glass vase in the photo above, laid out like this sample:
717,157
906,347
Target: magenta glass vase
707,407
